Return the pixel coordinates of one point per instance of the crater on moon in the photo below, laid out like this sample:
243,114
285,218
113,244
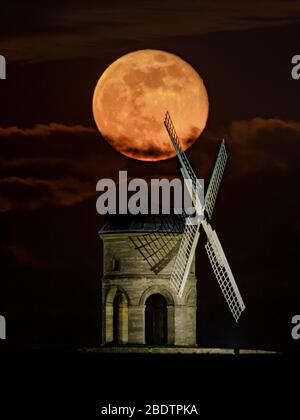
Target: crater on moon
133,95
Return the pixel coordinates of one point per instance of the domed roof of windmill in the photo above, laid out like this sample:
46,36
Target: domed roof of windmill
143,223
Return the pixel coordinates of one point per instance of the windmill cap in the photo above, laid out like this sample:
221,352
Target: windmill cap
143,223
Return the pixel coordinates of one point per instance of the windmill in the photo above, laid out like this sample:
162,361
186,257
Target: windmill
149,293
191,231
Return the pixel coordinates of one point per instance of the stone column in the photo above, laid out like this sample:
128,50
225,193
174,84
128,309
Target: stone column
123,323
180,327
136,324
171,325
108,322
185,325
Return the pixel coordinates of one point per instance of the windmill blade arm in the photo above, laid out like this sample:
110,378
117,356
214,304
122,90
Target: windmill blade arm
186,168
184,257
168,123
223,272
215,181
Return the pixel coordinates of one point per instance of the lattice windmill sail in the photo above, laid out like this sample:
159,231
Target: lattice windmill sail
215,181
191,232
158,248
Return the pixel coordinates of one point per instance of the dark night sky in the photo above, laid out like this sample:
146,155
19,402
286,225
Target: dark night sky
51,157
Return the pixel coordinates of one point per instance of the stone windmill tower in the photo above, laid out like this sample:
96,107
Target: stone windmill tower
139,305
149,282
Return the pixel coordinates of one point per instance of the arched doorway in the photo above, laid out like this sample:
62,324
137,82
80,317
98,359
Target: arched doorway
156,328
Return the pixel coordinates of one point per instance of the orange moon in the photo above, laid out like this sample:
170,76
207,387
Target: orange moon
132,96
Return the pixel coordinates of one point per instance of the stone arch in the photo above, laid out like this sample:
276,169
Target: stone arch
171,301
116,315
190,297
171,304
111,294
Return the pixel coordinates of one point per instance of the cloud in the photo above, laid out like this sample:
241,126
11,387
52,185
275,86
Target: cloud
46,130
30,193
47,144
241,131
265,144
257,145
47,165
12,254
58,165
83,31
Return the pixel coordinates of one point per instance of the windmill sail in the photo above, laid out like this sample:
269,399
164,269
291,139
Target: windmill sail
214,184
186,168
184,257
223,272
158,248
191,233
190,237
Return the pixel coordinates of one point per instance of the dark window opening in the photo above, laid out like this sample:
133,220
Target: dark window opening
116,264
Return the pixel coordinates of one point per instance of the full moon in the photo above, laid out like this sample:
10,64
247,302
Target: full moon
132,96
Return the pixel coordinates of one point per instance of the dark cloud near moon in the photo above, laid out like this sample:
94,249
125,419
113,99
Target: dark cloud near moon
152,153
38,178
45,166
81,31
261,144
45,130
